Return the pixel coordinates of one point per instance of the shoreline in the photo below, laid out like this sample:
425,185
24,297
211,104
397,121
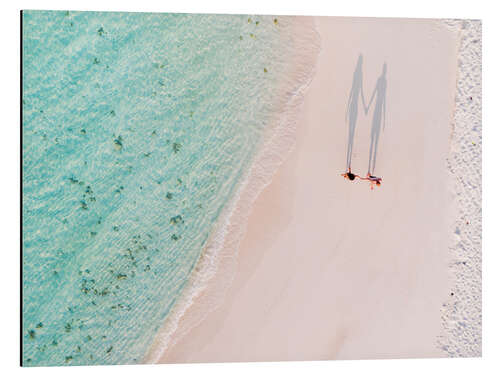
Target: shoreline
220,254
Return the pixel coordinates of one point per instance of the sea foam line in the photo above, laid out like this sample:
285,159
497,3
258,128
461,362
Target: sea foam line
219,258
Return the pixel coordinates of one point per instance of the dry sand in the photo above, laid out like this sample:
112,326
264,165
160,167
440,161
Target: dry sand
329,269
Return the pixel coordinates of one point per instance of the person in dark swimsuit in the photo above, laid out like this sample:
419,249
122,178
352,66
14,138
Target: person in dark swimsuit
349,175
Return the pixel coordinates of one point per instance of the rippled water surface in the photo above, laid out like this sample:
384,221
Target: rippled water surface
136,129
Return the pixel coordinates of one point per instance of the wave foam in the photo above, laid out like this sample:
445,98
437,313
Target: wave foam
215,269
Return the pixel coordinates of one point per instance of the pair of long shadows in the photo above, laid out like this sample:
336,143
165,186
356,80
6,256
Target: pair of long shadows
379,94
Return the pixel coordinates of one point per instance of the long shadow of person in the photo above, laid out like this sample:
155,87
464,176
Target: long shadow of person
352,107
378,117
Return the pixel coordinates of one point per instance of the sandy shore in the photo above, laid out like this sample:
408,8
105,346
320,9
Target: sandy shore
329,269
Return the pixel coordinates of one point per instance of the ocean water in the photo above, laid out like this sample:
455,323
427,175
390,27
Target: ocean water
137,129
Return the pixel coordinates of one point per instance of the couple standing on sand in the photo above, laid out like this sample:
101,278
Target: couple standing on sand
378,116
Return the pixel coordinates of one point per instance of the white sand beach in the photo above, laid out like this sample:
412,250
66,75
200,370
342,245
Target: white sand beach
327,268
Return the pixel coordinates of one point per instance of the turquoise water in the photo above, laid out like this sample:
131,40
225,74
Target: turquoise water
137,129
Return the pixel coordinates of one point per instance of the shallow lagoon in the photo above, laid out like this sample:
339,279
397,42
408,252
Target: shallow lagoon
137,129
